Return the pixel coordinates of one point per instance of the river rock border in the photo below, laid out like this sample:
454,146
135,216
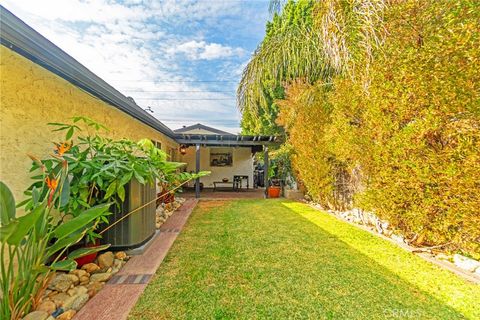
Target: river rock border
67,293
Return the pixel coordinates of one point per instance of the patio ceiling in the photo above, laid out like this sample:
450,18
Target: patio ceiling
226,140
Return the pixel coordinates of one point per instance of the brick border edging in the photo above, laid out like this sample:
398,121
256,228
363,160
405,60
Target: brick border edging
121,293
443,264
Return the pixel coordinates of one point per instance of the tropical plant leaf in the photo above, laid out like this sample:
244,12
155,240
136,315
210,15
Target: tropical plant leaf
64,265
65,196
86,251
69,133
111,190
139,177
81,221
7,230
121,192
25,223
65,242
7,205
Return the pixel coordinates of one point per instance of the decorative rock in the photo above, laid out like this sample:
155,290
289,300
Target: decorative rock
100,277
388,232
398,238
105,260
80,273
60,299
77,290
94,287
74,279
36,315
117,264
57,312
90,267
47,292
61,282
120,255
48,306
442,256
84,279
67,315
79,301
477,272
466,263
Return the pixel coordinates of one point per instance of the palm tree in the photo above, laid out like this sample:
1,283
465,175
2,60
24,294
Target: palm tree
343,36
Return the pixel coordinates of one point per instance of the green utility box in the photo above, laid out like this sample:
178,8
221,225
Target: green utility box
139,227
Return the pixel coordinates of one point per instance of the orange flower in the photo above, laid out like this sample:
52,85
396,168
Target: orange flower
61,148
52,184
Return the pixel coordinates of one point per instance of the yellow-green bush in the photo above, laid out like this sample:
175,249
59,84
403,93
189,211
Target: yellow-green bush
412,137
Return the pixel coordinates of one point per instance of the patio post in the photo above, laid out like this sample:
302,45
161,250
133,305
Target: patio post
197,170
265,170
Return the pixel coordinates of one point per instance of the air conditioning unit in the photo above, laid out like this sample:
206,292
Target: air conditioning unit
135,230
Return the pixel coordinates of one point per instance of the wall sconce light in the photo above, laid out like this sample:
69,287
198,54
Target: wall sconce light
183,149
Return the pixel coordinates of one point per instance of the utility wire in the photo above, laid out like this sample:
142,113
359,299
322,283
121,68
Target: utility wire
182,99
177,81
171,91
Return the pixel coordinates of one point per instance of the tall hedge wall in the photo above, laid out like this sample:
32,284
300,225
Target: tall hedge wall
408,146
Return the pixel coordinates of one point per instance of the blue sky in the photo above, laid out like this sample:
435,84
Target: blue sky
182,58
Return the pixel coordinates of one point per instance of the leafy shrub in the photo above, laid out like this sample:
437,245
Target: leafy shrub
34,245
99,167
408,146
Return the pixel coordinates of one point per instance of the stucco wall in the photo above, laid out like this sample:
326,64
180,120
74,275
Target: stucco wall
32,96
242,165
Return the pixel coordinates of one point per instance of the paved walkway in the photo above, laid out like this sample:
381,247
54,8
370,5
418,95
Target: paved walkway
121,293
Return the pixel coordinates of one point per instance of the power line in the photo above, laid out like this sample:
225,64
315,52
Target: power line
176,81
171,91
181,99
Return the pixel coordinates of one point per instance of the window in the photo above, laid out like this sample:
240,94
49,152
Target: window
157,144
172,152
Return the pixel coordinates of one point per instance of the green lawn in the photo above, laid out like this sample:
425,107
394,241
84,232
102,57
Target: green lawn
275,259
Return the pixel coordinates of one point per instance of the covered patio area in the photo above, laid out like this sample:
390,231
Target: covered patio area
229,158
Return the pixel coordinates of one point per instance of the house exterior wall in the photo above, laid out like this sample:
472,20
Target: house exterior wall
32,96
242,165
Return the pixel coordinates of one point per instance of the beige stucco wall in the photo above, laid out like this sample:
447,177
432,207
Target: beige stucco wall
242,165
32,96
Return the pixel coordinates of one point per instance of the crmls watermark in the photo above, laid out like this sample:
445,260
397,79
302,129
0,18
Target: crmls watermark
391,313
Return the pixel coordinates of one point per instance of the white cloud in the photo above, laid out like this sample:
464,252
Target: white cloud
127,45
201,50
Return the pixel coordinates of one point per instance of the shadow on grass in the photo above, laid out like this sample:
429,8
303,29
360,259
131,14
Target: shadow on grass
405,285
256,259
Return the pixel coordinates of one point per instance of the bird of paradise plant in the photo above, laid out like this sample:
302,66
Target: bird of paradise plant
34,245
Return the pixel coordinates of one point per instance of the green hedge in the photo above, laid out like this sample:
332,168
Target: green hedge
407,142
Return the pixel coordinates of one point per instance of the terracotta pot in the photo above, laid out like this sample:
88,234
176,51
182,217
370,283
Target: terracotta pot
90,257
274,191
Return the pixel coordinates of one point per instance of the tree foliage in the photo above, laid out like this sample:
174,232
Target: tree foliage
394,127
276,60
